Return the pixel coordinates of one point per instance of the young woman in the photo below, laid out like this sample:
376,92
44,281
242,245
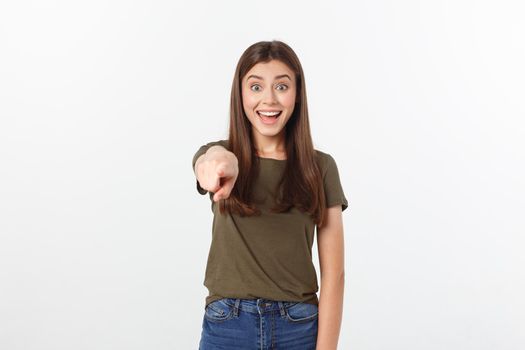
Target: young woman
269,189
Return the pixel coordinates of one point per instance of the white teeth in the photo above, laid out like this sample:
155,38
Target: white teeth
269,114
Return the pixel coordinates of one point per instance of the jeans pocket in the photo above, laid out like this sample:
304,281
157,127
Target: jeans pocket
218,311
302,312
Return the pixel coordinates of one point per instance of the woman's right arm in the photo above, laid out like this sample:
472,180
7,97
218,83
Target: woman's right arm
216,171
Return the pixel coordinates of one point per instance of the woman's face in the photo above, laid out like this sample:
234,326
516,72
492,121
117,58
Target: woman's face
268,87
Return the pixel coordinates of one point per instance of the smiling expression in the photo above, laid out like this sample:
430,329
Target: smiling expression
268,88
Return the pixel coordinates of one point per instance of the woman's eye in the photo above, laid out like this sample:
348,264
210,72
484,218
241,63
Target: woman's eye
257,85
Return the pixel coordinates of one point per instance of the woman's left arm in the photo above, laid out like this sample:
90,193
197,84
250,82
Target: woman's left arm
330,244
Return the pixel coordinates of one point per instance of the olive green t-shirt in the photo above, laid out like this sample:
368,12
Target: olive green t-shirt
267,256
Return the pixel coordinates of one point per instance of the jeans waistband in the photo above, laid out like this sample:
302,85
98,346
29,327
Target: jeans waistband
258,306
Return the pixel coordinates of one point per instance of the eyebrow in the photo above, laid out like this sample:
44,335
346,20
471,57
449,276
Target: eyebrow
276,77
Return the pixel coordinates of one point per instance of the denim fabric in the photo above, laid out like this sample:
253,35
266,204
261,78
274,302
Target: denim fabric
259,324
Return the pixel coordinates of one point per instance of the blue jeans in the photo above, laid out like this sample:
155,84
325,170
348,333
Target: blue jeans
259,324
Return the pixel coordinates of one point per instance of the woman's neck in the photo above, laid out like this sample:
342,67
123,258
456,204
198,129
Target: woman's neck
270,146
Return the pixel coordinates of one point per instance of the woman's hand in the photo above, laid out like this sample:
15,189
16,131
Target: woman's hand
217,171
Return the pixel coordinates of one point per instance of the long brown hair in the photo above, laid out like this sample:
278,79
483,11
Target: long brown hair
301,185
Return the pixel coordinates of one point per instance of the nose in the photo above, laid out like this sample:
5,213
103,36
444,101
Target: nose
269,96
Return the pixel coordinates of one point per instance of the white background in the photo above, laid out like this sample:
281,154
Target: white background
104,238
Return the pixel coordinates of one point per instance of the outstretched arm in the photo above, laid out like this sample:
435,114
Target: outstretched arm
216,171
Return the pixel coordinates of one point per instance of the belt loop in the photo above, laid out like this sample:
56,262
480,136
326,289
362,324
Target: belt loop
281,308
236,307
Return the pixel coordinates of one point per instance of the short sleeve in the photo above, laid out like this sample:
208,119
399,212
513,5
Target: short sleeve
202,149
332,185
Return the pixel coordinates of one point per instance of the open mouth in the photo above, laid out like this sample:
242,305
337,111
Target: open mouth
269,117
